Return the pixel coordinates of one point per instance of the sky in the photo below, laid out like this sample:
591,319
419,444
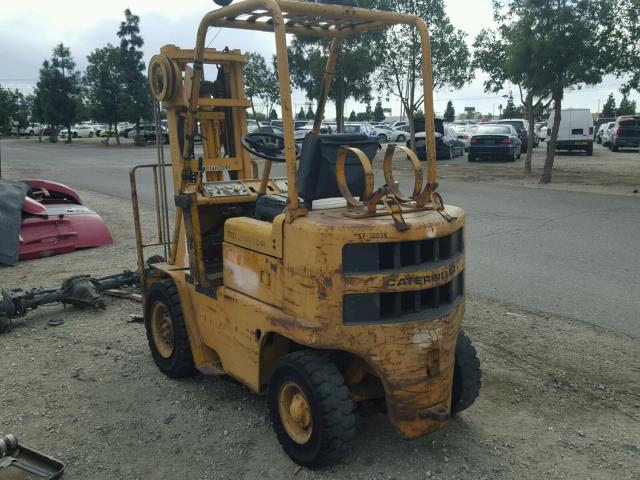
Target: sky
29,29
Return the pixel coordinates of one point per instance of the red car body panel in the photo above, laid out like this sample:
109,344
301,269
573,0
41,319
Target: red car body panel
54,222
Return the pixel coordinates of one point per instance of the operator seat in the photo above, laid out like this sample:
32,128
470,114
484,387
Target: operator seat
316,177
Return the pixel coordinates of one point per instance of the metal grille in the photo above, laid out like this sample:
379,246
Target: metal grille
374,257
394,307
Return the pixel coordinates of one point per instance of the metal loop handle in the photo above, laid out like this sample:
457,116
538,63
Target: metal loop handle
342,181
387,167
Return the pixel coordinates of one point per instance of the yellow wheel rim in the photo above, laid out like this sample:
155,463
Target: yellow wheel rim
162,329
295,413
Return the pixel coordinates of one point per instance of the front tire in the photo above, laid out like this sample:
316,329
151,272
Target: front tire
90,134
467,376
382,138
166,330
471,158
401,138
311,409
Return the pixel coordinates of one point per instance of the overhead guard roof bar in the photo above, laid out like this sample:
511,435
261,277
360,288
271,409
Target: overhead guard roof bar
311,19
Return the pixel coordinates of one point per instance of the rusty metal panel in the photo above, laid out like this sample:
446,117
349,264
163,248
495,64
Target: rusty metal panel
255,274
257,235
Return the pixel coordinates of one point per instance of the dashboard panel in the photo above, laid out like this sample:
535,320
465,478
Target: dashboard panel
241,188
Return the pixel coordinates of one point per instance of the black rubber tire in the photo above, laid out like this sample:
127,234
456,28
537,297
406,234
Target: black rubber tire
614,147
382,138
90,134
519,154
471,158
180,363
589,151
450,154
467,376
400,138
330,403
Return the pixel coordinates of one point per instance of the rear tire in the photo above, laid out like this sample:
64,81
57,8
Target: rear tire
471,158
311,409
382,138
166,330
614,147
589,151
401,138
467,376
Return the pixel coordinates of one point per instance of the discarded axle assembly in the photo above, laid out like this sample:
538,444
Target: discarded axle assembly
80,291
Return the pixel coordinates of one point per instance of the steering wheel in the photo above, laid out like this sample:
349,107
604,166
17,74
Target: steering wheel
254,143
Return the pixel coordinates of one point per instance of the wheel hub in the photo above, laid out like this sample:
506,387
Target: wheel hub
295,413
162,329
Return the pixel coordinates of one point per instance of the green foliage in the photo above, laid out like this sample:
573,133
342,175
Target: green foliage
14,107
401,63
105,86
378,113
358,58
510,110
135,91
609,107
261,82
310,115
623,45
301,115
450,112
57,94
259,116
273,115
626,107
352,116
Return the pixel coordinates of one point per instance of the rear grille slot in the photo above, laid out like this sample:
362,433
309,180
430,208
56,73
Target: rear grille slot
374,257
395,307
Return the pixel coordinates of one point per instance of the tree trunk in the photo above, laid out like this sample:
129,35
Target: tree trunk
253,110
68,133
340,108
117,135
551,144
412,131
108,134
531,133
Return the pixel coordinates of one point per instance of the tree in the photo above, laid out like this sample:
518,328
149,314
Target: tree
545,48
301,114
261,82
352,116
273,115
378,113
105,86
450,112
14,107
358,57
401,62
136,91
623,44
626,107
510,110
57,93
609,107
310,115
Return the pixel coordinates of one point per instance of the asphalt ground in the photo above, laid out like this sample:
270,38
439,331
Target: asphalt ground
570,253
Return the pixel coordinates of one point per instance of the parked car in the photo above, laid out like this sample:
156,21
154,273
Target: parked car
541,130
495,141
598,123
607,133
522,127
32,129
148,131
625,133
85,131
386,134
64,132
604,133
575,131
465,132
397,124
448,145
368,130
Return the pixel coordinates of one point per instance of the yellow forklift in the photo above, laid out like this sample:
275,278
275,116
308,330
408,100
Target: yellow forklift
318,289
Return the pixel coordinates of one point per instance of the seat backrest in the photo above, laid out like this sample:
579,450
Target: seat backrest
317,170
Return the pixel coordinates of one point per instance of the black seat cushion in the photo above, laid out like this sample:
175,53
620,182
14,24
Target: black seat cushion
317,170
269,206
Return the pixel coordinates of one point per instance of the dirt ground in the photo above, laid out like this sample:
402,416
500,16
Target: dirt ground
604,172
560,399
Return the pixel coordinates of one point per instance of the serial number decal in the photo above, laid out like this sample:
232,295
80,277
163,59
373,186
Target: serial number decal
368,236
408,280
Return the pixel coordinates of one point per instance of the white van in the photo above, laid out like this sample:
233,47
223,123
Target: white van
576,130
